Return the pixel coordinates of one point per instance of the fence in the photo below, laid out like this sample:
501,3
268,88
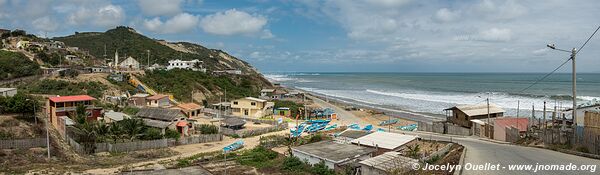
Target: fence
443,128
23,143
254,132
512,134
141,145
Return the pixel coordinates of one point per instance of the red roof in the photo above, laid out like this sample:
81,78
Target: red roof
182,123
71,98
520,123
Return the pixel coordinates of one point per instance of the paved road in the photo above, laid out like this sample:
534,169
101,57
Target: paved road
480,152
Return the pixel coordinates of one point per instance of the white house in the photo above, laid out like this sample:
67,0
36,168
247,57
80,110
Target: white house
8,92
129,64
191,65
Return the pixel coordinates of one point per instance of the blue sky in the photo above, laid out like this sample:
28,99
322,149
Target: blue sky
343,35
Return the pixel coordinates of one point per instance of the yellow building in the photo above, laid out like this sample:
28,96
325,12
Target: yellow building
251,107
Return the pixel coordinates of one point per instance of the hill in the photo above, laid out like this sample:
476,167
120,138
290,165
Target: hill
16,65
128,42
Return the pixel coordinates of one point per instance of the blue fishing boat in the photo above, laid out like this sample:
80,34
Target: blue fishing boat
380,130
411,127
388,122
234,146
368,128
331,127
354,126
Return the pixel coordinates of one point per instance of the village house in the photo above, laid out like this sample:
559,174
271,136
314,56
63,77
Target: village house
22,44
462,115
334,155
8,92
228,71
65,106
72,58
251,107
138,100
387,163
195,65
384,141
233,123
191,110
129,64
272,94
504,125
282,111
158,100
112,116
164,119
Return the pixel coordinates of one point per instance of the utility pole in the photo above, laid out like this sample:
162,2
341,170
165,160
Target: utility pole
47,135
518,106
574,74
148,57
488,117
532,115
544,120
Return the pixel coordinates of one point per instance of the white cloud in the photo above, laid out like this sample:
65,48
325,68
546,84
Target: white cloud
503,10
109,16
45,24
488,35
160,7
266,34
105,16
233,22
446,15
183,22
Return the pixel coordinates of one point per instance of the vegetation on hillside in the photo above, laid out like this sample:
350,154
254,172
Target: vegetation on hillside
15,65
61,87
128,42
20,103
181,83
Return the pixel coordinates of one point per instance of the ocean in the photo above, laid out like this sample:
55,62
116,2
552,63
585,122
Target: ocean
430,93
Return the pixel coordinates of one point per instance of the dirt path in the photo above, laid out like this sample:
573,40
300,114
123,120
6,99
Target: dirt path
188,151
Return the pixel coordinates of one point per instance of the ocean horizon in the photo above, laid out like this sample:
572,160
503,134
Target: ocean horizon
430,93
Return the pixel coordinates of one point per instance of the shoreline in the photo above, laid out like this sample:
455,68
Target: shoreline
395,113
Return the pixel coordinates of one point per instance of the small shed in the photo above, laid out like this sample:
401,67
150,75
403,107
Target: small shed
335,155
233,123
138,100
8,92
191,110
282,111
462,115
387,163
158,100
384,141
112,116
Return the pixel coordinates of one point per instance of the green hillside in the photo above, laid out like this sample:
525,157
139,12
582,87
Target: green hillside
15,65
128,42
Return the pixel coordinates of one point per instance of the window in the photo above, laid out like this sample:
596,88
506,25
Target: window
235,103
253,103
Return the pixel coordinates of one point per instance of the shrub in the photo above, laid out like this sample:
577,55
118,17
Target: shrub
315,138
583,149
258,157
152,134
172,134
293,164
208,129
322,169
130,110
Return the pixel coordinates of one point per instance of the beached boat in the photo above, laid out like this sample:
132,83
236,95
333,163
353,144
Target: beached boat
331,127
368,128
354,126
234,146
411,127
380,130
295,132
388,122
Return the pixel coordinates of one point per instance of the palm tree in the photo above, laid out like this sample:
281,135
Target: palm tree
116,131
132,127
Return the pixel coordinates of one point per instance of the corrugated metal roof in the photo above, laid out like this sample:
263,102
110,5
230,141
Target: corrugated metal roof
156,123
386,140
333,152
478,109
159,114
158,96
116,116
389,161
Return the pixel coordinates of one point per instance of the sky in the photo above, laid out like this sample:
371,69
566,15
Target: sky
344,35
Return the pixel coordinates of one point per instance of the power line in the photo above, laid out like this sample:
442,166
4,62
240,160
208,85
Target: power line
588,40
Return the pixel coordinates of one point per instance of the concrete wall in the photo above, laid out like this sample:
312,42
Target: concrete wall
311,160
443,128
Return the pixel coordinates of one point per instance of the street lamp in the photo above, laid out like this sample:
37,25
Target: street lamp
574,84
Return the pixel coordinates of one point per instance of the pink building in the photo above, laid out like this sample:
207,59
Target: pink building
502,127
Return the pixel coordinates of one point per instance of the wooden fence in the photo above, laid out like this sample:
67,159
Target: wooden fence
143,144
253,132
23,143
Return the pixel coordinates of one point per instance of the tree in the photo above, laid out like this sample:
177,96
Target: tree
322,169
413,151
172,134
152,134
133,128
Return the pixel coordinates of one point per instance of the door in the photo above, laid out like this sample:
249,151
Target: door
245,112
